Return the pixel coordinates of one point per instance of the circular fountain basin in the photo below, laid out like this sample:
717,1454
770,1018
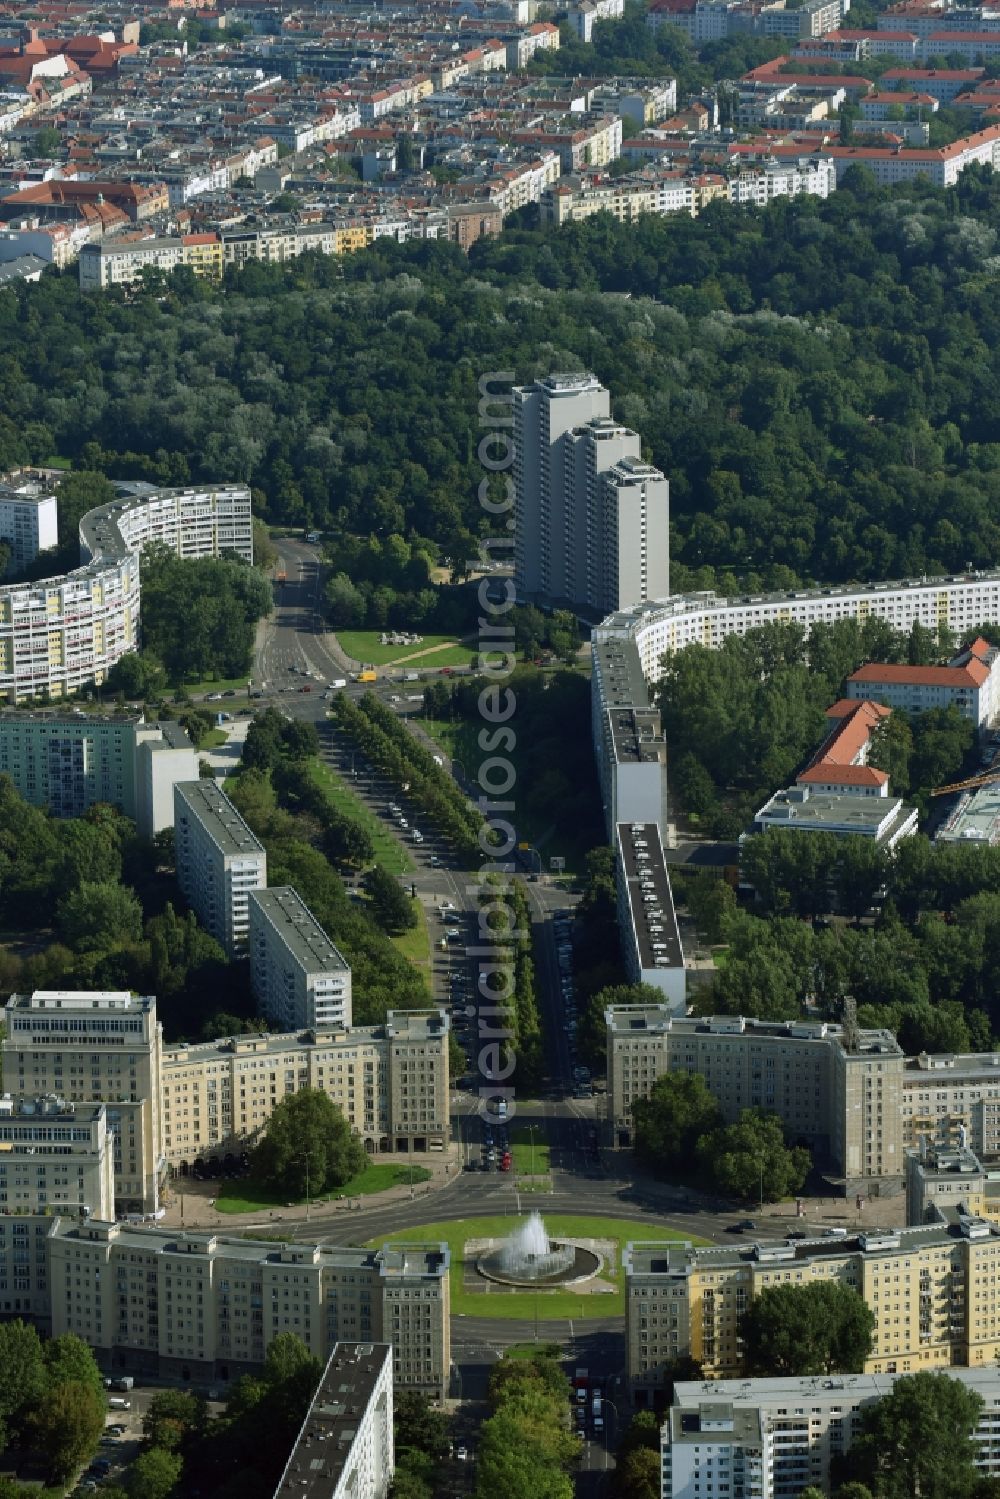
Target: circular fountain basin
579,1264
528,1257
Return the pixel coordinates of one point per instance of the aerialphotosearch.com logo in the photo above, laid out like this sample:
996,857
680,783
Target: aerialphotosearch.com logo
495,961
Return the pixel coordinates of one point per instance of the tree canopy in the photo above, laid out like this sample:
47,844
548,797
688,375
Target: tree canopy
916,1442
820,1328
308,1146
751,1159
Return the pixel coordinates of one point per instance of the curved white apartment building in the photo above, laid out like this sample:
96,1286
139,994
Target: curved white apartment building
960,602
628,649
59,634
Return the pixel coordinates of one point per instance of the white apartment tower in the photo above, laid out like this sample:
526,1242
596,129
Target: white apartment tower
219,862
545,412
591,519
95,1048
633,545
299,979
28,519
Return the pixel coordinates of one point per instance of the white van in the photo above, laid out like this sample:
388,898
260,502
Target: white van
119,1403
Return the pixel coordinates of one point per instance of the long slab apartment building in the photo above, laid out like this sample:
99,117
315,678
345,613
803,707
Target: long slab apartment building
932,1289
67,761
856,1098
773,1437
200,1305
169,1107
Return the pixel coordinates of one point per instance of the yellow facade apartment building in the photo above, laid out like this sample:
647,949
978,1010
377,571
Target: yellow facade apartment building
933,1290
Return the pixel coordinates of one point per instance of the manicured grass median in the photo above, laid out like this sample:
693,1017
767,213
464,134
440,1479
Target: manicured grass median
433,650
389,852
529,1161
562,1304
416,943
252,1197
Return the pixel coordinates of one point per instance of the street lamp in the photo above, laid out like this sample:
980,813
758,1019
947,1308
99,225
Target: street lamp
607,1432
531,1132
305,1157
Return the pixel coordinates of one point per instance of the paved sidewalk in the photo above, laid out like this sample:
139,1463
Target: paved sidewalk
191,1204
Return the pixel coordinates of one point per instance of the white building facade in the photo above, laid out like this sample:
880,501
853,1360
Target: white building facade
219,862
299,978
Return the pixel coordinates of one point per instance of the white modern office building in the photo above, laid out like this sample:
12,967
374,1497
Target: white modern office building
299,978
58,635
219,862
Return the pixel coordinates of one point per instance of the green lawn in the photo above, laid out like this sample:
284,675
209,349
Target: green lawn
500,1303
416,943
252,1197
528,1162
213,739
530,1351
389,852
433,650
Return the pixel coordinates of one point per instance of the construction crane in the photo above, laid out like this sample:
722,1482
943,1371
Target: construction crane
966,785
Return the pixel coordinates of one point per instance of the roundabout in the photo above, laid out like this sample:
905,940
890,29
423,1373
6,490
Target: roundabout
590,1288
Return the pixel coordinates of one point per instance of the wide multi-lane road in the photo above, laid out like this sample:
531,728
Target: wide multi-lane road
295,653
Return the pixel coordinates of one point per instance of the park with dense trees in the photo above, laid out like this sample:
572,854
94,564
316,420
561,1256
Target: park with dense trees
818,378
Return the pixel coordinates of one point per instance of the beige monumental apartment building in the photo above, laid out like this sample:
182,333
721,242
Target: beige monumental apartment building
170,1106
95,1048
851,1094
55,1157
389,1081
207,1306
840,1094
933,1290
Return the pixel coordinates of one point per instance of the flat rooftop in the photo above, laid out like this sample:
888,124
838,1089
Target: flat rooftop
428,1260
650,897
326,1441
32,494
299,930
637,736
946,1067
690,1394
408,1025
652,1258
619,669
66,718
628,1020
706,600
975,818
819,811
715,1420
80,999
218,817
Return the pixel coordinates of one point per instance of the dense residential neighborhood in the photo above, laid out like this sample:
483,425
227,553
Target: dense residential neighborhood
499,749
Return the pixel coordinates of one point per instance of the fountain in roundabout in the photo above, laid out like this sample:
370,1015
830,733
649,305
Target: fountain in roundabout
528,1257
